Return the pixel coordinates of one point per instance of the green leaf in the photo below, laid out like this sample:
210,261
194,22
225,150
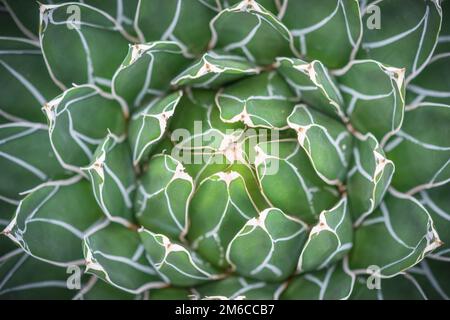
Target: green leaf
437,202
96,289
26,278
330,31
40,226
313,83
79,119
377,109
112,178
444,36
183,21
369,177
26,160
25,16
237,288
433,83
405,38
26,86
335,282
174,263
115,254
250,30
397,236
433,278
421,149
401,287
215,69
123,11
8,26
263,101
289,182
163,197
329,240
222,204
86,61
147,71
148,125
267,247
326,141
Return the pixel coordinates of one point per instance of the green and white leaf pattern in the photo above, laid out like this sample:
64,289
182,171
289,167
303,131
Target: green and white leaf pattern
89,62
330,32
112,177
267,247
26,87
245,29
137,81
116,255
224,149
326,142
163,197
375,109
74,141
329,240
414,34
401,232
421,153
39,225
148,124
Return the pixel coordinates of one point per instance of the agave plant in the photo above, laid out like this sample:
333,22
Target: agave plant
191,149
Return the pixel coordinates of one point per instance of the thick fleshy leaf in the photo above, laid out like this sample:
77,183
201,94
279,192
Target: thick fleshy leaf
174,263
148,125
413,33
115,254
222,204
401,287
433,278
248,29
313,83
96,289
326,141
379,108
183,21
335,282
215,69
263,101
421,149
271,5
26,160
237,288
112,178
397,236
369,177
437,202
267,247
87,60
25,16
289,181
147,71
24,277
123,11
26,85
79,119
163,196
329,240
330,31
444,36
8,26
433,83
40,225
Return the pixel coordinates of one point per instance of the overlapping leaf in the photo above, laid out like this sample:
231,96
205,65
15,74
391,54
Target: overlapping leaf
268,246
330,32
78,121
421,149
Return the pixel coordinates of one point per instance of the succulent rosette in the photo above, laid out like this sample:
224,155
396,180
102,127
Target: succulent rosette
203,149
